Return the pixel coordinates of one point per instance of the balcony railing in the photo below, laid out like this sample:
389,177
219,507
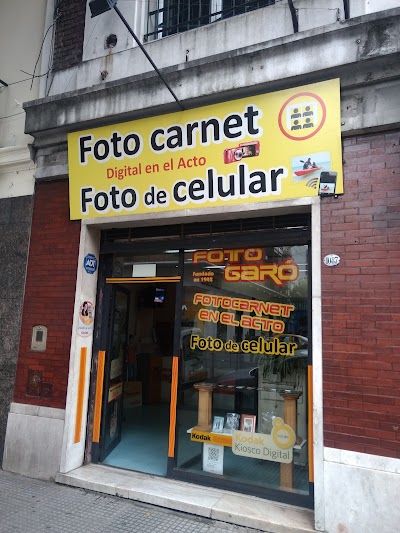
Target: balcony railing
177,16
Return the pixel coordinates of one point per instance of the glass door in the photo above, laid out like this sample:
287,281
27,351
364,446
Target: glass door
115,369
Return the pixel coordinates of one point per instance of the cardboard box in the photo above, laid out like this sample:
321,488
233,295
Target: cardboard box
145,348
132,387
132,394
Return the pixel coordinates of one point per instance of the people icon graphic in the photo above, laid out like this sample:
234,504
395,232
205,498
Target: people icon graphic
308,123
296,125
308,112
302,116
295,114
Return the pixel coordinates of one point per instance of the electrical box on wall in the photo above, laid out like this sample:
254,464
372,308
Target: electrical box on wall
39,338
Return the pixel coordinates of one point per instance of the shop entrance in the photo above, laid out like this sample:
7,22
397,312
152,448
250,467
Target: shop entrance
137,378
208,357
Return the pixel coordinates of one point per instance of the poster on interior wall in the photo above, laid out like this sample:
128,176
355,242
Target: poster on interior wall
86,318
264,148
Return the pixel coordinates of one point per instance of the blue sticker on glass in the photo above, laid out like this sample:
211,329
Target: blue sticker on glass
90,263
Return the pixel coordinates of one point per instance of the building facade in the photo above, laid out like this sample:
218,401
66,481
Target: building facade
212,278
16,179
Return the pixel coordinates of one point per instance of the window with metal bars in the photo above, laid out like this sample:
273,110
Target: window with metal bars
177,16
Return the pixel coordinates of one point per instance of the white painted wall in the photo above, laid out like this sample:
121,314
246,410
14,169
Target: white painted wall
317,376
227,35
16,172
86,286
379,5
98,28
317,13
364,7
21,33
126,59
311,14
361,492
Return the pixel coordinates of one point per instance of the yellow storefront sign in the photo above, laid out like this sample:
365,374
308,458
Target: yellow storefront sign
276,447
211,438
268,147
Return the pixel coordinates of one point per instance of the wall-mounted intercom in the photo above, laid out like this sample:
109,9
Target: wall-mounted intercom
39,338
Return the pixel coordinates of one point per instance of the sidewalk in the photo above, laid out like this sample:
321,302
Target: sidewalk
34,506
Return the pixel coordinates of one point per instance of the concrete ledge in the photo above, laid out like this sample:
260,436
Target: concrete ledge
37,410
33,441
212,503
362,460
362,52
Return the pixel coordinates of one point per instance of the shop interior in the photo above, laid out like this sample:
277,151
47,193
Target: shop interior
146,377
136,421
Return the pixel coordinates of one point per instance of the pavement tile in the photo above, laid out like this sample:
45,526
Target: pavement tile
34,506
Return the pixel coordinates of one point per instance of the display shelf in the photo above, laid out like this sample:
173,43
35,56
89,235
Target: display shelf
208,437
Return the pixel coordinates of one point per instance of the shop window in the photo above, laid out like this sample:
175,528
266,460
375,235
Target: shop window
244,354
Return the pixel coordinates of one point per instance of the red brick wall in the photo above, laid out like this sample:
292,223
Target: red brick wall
361,300
69,35
49,295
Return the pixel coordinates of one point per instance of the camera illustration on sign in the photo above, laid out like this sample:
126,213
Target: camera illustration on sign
250,149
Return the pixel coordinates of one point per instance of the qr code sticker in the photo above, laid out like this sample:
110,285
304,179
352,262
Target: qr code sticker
213,458
213,454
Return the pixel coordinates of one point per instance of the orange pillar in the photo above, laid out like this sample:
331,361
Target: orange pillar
290,418
204,421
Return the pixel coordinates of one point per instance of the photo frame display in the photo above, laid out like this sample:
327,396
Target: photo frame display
218,424
248,423
232,422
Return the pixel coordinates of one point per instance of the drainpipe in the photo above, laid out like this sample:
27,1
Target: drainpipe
346,5
295,20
